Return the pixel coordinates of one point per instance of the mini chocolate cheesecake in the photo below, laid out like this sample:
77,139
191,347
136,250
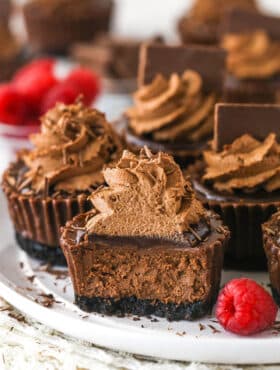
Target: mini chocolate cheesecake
253,69
50,184
201,24
148,246
173,107
54,25
239,177
271,244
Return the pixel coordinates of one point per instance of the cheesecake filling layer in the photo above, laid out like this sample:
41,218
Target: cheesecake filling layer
174,109
252,56
246,165
69,153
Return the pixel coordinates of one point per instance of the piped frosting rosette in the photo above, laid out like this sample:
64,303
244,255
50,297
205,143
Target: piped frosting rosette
174,109
146,196
252,55
247,164
74,144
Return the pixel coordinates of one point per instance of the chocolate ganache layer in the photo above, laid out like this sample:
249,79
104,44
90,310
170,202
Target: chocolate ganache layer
50,184
148,246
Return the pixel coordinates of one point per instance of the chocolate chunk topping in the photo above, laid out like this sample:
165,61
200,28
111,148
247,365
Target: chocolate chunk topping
235,120
209,62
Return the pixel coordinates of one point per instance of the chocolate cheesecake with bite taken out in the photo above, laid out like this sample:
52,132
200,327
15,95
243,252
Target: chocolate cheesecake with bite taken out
148,246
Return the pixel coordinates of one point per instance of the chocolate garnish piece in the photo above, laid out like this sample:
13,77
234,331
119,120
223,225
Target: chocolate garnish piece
235,120
240,21
209,62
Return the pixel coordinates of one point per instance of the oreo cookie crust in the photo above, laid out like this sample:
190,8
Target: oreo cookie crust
40,251
145,307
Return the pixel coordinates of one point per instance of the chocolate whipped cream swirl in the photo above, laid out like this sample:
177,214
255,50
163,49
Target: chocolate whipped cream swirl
146,196
252,55
74,144
173,109
246,165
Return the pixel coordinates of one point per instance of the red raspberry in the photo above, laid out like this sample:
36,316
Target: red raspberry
34,80
65,92
32,122
87,82
13,108
245,308
43,65
32,119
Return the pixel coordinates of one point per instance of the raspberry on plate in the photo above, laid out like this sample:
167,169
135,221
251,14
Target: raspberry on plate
87,82
34,80
13,108
245,308
42,65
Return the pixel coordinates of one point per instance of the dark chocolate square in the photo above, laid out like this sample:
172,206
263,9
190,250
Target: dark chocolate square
235,120
209,62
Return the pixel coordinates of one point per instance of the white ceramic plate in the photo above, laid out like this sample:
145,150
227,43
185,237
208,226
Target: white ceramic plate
24,285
